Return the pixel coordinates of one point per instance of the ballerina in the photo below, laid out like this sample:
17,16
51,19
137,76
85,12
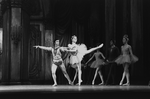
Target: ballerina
57,60
126,58
98,63
77,53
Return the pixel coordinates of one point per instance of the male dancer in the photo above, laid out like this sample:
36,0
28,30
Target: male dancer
57,60
112,54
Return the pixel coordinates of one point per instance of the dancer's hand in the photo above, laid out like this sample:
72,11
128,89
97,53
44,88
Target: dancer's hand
36,46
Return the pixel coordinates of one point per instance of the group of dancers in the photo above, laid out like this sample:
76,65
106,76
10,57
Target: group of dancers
78,51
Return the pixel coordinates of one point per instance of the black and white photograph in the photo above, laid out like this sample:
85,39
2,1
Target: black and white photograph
81,49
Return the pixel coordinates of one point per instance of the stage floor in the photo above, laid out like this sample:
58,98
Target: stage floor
64,91
69,88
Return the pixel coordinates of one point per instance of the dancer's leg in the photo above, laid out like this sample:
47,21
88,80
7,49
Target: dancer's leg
109,74
123,76
101,76
54,68
114,73
79,73
95,76
127,74
65,72
75,75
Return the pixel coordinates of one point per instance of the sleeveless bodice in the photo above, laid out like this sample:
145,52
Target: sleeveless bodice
56,54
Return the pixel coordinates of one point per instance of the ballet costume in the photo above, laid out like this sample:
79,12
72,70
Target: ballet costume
77,56
98,62
126,56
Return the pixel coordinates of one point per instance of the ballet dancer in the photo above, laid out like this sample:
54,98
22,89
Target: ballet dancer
57,60
112,54
126,58
77,53
98,63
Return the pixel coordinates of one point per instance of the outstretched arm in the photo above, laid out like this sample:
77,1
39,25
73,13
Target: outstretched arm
64,49
43,47
71,50
93,49
102,55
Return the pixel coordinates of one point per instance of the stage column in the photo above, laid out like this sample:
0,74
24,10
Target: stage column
15,40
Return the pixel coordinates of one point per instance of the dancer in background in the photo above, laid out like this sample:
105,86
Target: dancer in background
126,58
77,53
98,63
57,60
112,54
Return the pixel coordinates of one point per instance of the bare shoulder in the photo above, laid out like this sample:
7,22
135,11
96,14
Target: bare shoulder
100,52
129,46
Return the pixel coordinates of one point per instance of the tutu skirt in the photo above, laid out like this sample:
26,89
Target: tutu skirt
81,51
97,63
75,59
126,59
134,59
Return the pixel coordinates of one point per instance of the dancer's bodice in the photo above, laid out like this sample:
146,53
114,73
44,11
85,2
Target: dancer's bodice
56,54
125,50
98,55
73,47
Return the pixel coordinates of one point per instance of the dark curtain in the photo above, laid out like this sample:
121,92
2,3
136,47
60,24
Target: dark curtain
136,37
146,36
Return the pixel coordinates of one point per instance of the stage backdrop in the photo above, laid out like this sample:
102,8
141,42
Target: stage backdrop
99,21
92,21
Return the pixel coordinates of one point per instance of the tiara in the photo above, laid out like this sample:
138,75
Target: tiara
126,36
73,36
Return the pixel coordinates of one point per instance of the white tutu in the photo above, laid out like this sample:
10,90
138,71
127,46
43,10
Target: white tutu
81,51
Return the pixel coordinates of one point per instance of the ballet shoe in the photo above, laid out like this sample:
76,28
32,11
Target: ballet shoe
71,83
92,83
101,84
54,85
78,84
120,84
126,84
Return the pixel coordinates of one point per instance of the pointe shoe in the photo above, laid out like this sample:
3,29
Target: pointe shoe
92,83
101,83
126,84
71,83
54,85
78,84
120,84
